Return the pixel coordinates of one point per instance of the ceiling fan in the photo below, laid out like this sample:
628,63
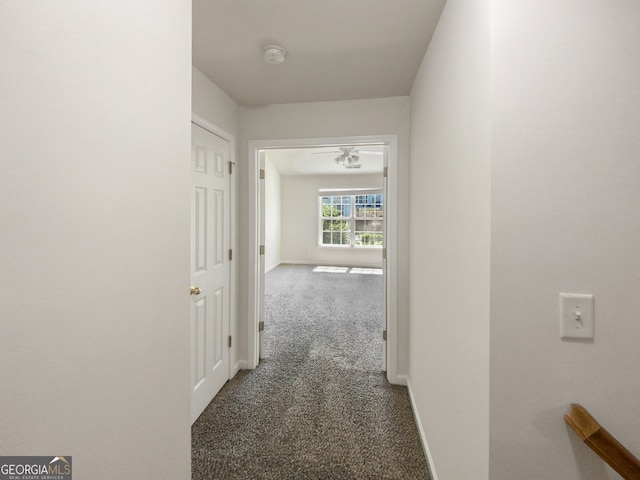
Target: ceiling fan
348,156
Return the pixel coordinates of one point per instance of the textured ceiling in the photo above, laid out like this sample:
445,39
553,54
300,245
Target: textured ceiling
336,49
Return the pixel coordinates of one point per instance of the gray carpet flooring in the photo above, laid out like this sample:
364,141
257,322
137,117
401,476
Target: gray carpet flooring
318,406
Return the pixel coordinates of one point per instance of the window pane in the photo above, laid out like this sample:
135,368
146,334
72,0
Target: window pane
338,211
331,210
369,232
336,207
370,206
340,238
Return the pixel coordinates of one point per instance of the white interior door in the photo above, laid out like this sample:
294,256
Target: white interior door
210,240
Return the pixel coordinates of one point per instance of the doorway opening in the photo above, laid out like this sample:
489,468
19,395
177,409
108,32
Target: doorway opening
324,207
358,225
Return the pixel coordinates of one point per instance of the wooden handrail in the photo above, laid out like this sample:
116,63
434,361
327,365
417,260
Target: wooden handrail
603,443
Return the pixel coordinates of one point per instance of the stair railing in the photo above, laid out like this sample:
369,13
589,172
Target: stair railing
603,443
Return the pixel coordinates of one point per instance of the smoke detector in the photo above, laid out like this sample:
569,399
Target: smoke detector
274,54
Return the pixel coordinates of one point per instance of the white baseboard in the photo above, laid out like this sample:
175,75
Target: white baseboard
423,437
401,380
240,365
268,269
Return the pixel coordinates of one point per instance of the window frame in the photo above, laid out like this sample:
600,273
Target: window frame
352,219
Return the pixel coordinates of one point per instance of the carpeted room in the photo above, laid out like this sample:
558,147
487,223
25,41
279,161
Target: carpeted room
318,406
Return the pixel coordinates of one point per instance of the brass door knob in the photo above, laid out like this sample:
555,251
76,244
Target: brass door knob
195,290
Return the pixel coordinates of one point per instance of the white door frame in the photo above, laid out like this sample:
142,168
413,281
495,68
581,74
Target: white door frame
391,227
202,122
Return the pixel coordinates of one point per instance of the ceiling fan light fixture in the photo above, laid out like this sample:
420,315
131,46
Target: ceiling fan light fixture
274,54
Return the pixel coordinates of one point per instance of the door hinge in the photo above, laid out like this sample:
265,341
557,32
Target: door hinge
230,254
230,342
260,326
230,168
384,335
261,249
385,173
261,174
384,252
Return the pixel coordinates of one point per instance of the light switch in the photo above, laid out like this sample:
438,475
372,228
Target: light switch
576,315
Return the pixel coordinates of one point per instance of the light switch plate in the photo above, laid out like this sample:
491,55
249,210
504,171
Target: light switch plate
576,315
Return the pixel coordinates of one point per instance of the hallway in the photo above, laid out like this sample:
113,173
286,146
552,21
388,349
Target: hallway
318,406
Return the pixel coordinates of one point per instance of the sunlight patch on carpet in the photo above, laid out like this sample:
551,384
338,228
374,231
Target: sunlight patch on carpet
367,271
357,270
327,269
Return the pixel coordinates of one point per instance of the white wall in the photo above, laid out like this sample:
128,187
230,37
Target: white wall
384,116
449,243
211,103
273,216
94,244
300,221
566,198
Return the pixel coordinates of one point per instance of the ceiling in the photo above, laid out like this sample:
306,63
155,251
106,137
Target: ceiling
321,161
336,49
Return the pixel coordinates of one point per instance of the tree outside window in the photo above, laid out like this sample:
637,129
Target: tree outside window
352,220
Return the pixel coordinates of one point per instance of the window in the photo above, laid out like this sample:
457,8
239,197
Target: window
351,218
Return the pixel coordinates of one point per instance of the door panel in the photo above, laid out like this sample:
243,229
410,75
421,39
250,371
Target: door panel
219,345
199,356
210,236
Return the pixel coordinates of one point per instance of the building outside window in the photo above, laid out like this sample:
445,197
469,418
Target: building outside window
353,218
